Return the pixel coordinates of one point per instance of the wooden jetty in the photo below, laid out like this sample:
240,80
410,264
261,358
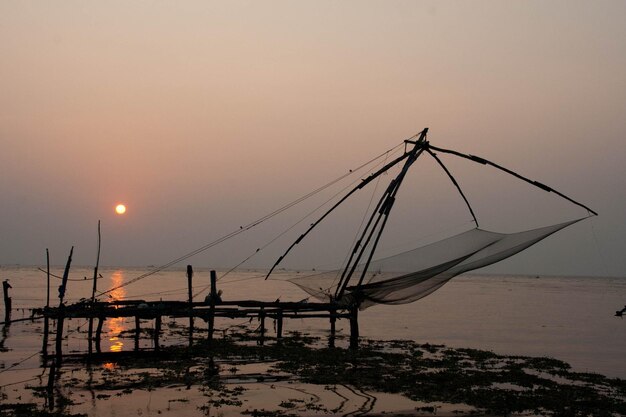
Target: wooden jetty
156,310
210,309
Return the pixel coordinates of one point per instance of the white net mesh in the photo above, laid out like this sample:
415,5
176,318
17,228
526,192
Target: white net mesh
411,275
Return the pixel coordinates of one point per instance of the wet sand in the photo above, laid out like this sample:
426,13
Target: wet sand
567,318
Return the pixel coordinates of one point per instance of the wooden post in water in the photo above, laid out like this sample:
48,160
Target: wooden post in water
59,336
99,332
137,332
279,326
46,319
61,310
7,302
48,278
93,293
50,387
66,274
354,327
190,287
157,330
333,321
213,299
262,317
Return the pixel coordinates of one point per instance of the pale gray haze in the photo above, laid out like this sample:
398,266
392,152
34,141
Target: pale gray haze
203,116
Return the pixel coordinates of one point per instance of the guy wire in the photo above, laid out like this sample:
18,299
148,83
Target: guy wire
248,226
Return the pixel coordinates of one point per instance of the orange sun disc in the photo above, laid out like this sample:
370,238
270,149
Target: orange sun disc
120,209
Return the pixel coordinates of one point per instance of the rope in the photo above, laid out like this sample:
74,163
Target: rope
358,230
456,184
243,279
537,184
20,382
69,279
248,226
22,319
173,291
363,183
287,230
18,363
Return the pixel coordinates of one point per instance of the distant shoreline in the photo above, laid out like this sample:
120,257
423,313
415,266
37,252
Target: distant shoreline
182,268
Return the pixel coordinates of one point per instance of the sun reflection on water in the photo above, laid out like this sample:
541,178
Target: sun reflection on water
116,325
109,366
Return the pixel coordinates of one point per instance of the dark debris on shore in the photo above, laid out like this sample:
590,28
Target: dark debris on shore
490,383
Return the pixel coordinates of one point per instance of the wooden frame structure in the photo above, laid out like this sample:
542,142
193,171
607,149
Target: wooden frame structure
208,311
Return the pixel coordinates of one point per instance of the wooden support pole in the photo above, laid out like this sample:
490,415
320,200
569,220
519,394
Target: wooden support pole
333,321
213,299
50,387
48,278
46,330
93,293
213,286
354,327
46,319
262,317
137,332
190,287
7,302
90,337
61,310
279,325
211,324
59,337
157,330
99,332
66,274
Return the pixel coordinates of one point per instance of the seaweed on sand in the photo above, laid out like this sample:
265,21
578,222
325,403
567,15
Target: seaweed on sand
489,382
494,383
31,410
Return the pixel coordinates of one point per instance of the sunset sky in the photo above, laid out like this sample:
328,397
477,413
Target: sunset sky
202,116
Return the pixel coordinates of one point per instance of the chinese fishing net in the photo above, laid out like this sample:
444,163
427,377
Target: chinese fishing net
414,274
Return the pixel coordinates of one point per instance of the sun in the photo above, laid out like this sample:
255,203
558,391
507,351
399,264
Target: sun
120,209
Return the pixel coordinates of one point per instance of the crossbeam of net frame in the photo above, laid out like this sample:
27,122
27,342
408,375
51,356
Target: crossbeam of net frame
386,202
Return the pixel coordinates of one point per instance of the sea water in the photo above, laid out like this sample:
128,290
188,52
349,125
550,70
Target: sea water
568,318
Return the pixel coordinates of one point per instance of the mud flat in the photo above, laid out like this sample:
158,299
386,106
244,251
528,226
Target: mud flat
299,376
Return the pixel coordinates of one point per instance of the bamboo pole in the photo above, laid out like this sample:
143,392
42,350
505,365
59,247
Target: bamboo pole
157,330
48,278
46,320
381,211
99,333
262,318
59,336
137,332
93,292
66,274
61,310
50,387
190,288
354,327
279,325
7,302
333,320
212,300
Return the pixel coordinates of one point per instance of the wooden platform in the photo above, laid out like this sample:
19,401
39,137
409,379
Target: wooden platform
213,307
156,310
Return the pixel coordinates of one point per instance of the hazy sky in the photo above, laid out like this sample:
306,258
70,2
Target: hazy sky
203,116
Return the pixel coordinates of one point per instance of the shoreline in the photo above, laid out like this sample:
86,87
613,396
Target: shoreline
301,377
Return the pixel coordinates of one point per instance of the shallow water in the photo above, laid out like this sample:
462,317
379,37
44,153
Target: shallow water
568,318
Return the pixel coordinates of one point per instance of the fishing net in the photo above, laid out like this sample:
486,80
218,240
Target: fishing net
414,274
